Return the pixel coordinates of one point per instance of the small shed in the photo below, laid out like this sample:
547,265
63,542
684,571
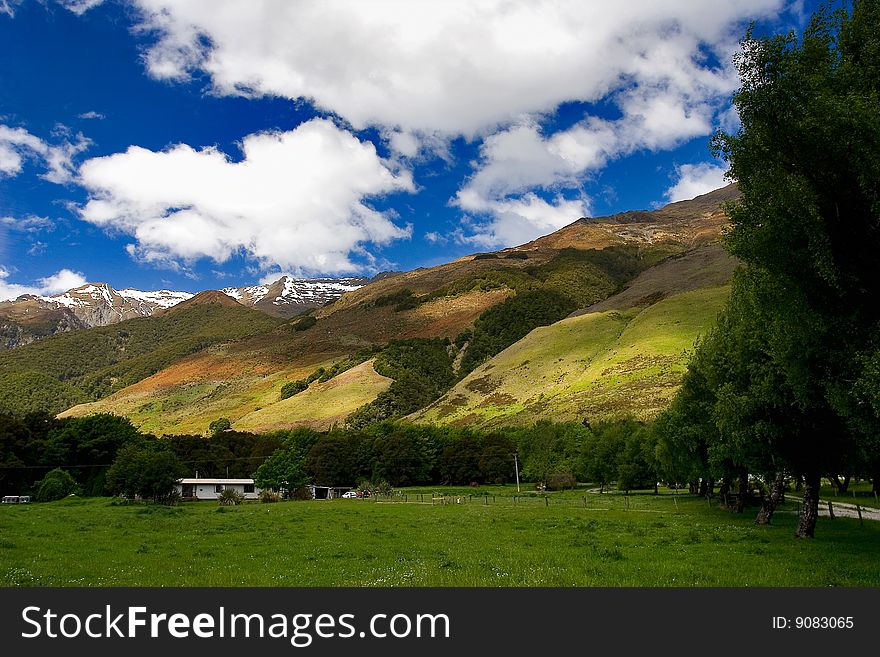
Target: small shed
210,489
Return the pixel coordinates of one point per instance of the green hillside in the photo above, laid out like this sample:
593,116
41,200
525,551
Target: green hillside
55,373
593,366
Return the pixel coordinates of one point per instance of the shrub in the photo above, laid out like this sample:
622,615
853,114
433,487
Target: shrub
269,496
401,300
230,497
292,388
561,481
219,425
56,485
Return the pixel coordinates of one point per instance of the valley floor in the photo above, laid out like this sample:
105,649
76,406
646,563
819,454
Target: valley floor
577,538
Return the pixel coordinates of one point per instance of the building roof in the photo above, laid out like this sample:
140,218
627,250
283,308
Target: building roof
209,481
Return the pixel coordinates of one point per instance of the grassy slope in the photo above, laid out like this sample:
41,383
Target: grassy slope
243,379
95,362
364,543
592,366
322,404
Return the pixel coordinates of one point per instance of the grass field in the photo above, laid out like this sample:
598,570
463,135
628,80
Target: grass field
567,540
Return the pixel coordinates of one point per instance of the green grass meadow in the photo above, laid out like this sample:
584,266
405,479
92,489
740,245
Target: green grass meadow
570,539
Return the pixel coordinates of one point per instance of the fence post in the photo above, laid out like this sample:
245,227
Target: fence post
546,501
859,511
830,510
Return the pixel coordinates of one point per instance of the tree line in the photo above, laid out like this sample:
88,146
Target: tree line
788,382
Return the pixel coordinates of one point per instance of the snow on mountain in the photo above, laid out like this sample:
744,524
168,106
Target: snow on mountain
290,296
161,298
99,304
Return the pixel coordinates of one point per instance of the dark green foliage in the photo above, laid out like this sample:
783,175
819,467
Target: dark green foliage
285,469
517,255
304,323
68,368
146,469
56,485
218,426
561,481
462,338
30,391
89,444
486,256
422,371
503,324
777,386
292,388
399,460
401,300
229,453
340,459
547,448
230,497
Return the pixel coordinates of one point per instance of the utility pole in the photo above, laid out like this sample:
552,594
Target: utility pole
516,467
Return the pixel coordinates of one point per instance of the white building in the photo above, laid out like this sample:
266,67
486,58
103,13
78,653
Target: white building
210,489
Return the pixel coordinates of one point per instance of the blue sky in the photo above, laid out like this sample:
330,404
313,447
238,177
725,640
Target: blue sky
207,143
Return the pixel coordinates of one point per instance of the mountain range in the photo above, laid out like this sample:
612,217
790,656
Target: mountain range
30,317
595,320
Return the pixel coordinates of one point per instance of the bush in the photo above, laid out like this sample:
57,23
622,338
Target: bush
230,497
561,481
218,426
292,388
401,300
304,323
269,496
56,485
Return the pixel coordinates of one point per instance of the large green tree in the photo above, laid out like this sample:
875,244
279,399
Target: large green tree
808,226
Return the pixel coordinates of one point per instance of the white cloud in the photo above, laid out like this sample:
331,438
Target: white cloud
696,179
79,7
520,220
455,67
29,224
61,281
296,200
91,114
17,144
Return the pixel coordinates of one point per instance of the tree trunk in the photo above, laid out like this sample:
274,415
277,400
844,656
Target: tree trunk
770,502
704,487
742,494
842,486
810,507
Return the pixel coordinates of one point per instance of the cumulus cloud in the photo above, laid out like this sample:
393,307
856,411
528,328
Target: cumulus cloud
519,220
60,281
695,179
296,200
18,145
457,67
